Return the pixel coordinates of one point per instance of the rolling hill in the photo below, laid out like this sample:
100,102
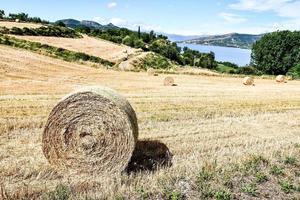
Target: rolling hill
72,23
244,41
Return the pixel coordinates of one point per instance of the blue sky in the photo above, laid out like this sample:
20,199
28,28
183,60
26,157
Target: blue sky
186,17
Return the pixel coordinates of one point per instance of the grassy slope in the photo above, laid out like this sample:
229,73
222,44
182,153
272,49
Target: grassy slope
209,122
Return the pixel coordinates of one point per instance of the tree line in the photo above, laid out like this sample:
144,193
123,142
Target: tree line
22,17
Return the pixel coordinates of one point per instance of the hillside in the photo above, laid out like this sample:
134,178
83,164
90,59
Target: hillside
237,40
72,23
89,45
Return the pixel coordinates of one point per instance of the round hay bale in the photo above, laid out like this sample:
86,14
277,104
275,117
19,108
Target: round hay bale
150,72
17,20
248,81
169,81
280,79
93,130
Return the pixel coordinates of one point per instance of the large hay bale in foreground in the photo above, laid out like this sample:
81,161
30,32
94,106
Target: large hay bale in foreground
248,81
281,79
150,72
91,131
169,81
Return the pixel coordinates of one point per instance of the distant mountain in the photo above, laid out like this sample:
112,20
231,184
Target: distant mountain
244,41
180,38
72,23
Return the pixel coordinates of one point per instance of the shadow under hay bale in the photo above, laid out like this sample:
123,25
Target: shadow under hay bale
149,156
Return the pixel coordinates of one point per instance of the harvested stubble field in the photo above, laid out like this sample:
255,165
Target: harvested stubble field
19,24
89,45
205,121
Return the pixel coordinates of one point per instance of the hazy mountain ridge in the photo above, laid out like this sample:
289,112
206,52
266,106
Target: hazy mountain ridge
72,23
236,40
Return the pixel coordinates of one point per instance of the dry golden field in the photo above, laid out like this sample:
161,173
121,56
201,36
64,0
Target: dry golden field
212,122
89,45
19,24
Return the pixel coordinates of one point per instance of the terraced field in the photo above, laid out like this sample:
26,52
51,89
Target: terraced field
89,45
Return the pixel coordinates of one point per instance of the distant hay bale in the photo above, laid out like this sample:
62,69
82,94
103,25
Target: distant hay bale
281,79
151,72
169,81
17,20
94,130
248,81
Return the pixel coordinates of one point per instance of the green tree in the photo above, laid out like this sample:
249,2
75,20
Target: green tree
139,32
277,52
128,40
60,23
2,14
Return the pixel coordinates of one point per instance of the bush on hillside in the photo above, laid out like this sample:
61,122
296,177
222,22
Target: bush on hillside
154,61
248,70
294,72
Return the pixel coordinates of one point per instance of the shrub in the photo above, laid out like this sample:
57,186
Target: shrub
294,72
249,70
61,192
223,195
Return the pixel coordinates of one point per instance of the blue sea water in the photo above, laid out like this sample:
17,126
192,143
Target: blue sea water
238,56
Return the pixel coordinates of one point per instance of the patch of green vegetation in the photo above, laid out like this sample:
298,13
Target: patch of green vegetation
276,170
223,195
250,189
260,177
290,160
225,69
153,60
174,195
143,193
55,52
254,163
204,178
286,186
61,192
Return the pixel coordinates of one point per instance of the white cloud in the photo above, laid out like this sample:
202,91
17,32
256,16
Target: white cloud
124,23
288,10
112,5
283,8
232,18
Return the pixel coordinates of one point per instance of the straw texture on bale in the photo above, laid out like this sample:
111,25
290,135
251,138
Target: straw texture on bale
150,72
280,79
93,130
248,81
169,81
